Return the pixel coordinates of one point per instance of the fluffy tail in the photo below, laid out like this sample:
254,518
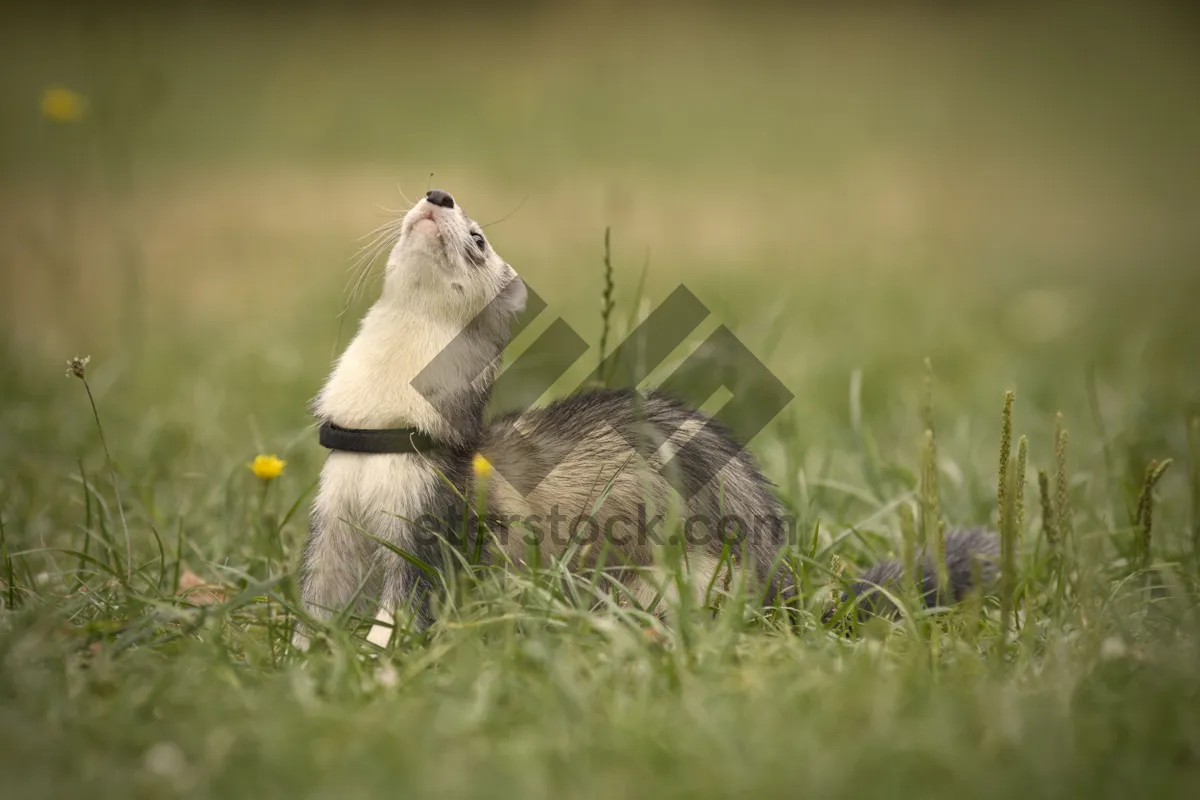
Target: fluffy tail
970,555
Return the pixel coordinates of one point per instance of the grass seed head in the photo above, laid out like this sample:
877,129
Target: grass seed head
77,367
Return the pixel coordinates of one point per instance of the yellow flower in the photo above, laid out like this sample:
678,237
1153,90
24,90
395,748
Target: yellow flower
267,468
62,105
482,466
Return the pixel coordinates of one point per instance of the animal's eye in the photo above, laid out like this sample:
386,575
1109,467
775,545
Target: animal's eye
480,242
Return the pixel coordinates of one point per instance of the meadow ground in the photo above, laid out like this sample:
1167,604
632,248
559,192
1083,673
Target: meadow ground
1010,194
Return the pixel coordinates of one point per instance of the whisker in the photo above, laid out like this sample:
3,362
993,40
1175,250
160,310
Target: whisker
371,250
385,229
377,241
509,214
383,238
402,194
385,226
376,238
383,233
366,261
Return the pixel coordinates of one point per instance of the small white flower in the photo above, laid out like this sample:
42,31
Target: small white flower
1113,648
165,760
387,677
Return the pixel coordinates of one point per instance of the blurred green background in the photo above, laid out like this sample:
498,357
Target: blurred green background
1011,190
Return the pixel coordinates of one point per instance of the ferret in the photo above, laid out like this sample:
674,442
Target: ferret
591,477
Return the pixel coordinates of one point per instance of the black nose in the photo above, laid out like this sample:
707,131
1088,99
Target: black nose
439,198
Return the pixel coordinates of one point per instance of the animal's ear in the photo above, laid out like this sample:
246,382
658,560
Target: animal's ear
512,296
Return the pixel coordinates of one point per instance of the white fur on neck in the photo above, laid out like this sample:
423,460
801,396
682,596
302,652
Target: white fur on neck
371,386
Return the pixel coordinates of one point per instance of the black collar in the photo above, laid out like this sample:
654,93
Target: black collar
385,440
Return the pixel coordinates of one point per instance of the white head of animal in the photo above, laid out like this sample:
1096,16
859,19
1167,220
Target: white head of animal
443,266
426,352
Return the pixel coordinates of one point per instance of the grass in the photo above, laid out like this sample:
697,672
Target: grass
1035,238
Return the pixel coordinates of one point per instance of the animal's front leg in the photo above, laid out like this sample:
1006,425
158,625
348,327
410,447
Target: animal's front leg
405,599
333,568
